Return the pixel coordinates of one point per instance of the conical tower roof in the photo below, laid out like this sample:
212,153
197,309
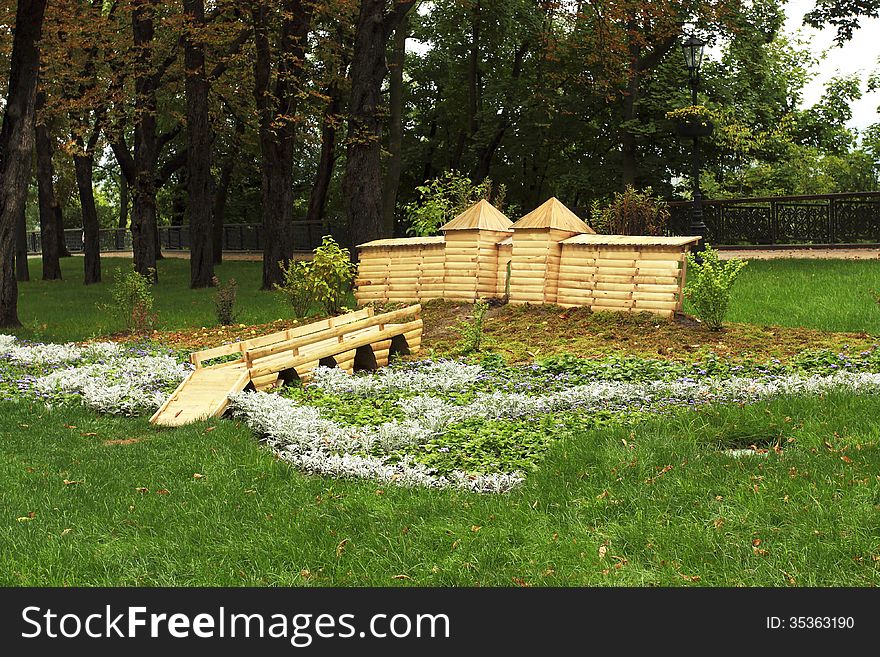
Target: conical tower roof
481,216
553,214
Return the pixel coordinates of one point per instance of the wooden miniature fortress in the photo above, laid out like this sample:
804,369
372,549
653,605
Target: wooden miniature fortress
549,256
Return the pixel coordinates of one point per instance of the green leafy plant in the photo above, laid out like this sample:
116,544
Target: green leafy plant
691,114
710,281
471,331
631,212
132,296
445,197
325,280
332,273
297,286
224,300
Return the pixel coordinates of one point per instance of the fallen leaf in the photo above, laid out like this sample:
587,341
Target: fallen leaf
691,578
70,426
401,577
846,459
475,528
456,544
66,531
90,433
210,429
341,547
32,514
519,581
162,491
756,542
142,490
602,551
24,518
198,476
67,482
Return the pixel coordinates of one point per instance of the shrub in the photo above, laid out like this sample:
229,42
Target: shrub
445,197
297,286
709,284
471,332
224,300
332,273
133,300
632,212
326,279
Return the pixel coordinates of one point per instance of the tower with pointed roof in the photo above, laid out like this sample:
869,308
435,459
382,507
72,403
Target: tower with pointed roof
472,252
537,251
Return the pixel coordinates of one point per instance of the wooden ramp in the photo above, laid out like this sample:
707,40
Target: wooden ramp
358,340
201,395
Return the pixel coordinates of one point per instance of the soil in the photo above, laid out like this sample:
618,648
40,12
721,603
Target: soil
523,333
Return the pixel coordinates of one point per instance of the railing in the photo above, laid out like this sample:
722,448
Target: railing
236,237
820,220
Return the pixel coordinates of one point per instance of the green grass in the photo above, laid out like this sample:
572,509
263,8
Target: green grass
667,505
829,295
60,311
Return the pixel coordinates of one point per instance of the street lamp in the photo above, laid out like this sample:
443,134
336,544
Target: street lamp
693,56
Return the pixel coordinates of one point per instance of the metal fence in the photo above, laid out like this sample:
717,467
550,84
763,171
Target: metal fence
236,237
821,220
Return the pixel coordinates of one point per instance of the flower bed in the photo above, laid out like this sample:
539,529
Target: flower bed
480,426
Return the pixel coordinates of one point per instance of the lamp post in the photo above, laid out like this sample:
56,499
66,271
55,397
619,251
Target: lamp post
693,57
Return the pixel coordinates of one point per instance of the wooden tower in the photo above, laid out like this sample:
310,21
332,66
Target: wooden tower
537,250
472,252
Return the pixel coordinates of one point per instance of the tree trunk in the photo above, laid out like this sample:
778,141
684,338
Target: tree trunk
49,237
84,164
144,235
22,272
327,162
123,202
362,184
198,161
219,209
277,107
63,251
395,129
16,144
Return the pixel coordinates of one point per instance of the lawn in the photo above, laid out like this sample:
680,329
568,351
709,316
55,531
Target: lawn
101,501
674,483
829,295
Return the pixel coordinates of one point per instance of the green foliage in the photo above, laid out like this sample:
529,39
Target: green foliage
471,331
691,114
445,197
326,279
224,300
709,284
298,287
133,300
332,274
631,212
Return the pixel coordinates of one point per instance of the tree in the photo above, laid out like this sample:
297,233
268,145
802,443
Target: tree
362,183
843,15
16,143
277,105
50,209
198,130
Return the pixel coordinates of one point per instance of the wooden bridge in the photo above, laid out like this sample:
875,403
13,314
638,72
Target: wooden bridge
358,341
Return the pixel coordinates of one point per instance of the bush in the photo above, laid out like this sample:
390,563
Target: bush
325,280
298,287
133,300
632,212
471,332
444,198
332,273
224,300
709,284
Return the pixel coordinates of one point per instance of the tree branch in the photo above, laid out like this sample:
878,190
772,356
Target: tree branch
394,17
